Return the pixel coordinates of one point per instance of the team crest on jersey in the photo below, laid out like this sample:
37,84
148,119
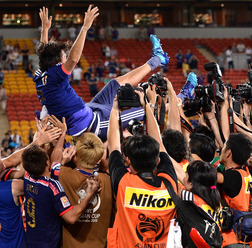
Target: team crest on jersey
65,202
44,78
148,229
95,201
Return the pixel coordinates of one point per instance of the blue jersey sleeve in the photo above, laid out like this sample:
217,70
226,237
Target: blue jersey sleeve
55,171
61,201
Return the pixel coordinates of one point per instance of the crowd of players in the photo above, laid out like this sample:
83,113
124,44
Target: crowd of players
106,189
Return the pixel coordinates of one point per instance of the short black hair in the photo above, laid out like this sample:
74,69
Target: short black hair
205,130
240,146
143,152
34,160
175,144
203,146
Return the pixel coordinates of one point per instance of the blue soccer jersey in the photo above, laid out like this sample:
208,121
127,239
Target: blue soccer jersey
12,229
55,92
45,202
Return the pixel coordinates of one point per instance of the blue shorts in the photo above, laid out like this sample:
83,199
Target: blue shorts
79,122
102,104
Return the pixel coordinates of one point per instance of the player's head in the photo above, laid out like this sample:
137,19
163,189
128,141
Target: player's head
143,152
89,150
35,160
51,53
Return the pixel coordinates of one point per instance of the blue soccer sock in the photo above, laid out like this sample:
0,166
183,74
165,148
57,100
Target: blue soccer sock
154,62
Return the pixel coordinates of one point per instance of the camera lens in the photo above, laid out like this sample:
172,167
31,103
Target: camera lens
192,104
206,104
135,126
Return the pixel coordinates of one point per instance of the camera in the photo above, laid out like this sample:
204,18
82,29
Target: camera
157,79
228,219
192,106
245,92
215,69
236,98
216,90
127,97
135,126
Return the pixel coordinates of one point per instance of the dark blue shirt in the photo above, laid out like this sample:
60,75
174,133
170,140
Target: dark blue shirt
45,202
179,57
112,67
188,56
12,229
55,92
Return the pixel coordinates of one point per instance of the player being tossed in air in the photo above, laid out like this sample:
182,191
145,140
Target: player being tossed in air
58,97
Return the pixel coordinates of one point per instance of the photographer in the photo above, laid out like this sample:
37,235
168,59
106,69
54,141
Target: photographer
234,181
133,214
238,124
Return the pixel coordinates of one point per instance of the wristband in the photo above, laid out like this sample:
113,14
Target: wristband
151,105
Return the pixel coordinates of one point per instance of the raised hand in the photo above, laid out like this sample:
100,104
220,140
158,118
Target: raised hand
93,186
169,84
90,15
68,153
151,94
46,21
57,123
48,136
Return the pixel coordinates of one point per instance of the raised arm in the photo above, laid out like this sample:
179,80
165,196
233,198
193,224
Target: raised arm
224,115
46,23
154,132
56,155
76,50
173,114
182,114
42,137
214,125
113,129
241,130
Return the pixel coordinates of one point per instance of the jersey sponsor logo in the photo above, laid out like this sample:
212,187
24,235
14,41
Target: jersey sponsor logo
149,230
65,202
248,184
148,199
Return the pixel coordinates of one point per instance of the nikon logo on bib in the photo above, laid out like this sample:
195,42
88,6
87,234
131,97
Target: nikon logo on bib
148,199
